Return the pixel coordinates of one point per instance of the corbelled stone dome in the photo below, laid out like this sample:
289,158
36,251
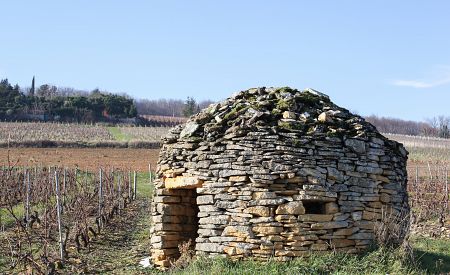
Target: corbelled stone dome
276,172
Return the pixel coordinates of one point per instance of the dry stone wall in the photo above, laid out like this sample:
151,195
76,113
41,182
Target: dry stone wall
274,173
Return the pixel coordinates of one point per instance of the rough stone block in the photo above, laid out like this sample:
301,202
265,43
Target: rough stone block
338,243
329,225
205,199
315,217
331,208
267,230
182,182
238,231
209,247
238,178
319,247
261,211
293,208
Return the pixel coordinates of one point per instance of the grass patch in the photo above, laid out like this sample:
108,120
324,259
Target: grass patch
5,217
118,134
144,187
380,261
430,257
433,255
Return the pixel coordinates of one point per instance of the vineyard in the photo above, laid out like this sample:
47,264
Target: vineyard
78,135
164,121
55,219
429,199
142,133
20,132
424,149
48,215
428,183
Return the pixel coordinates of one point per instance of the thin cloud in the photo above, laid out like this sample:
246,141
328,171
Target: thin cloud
442,77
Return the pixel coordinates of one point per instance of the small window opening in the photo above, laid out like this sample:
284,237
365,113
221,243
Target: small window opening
314,207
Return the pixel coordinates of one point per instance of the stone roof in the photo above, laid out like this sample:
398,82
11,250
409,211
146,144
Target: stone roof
306,113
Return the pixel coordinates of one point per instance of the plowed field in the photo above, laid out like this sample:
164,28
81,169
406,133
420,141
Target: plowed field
84,158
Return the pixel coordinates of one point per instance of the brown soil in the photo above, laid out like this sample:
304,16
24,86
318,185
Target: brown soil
84,158
93,158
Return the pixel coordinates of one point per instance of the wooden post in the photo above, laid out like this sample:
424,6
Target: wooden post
417,175
429,171
26,181
135,185
111,183
58,211
119,191
129,186
446,192
100,197
28,194
64,189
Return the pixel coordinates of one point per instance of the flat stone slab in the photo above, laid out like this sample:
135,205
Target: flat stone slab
183,182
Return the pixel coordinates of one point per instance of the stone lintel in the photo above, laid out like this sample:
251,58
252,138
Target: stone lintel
183,182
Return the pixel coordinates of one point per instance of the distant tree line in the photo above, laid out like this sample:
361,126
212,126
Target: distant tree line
435,127
49,102
170,107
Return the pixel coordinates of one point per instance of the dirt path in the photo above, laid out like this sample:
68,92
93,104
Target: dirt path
120,247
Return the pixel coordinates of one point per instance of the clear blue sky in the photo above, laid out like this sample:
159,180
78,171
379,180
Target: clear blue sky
388,58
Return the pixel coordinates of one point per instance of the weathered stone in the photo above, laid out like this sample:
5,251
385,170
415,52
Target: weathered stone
368,215
335,174
238,178
315,218
345,231
361,236
266,202
238,231
385,197
291,253
264,195
206,199
221,239
262,220
219,219
286,218
267,230
356,145
365,225
329,225
261,211
289,115
189,129
167,199
370,170
182,182
338,243
319,247
209,247
229,173
209,232
357,216
325,117
294,208
331,208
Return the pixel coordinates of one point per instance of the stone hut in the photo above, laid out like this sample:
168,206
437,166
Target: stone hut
274,173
